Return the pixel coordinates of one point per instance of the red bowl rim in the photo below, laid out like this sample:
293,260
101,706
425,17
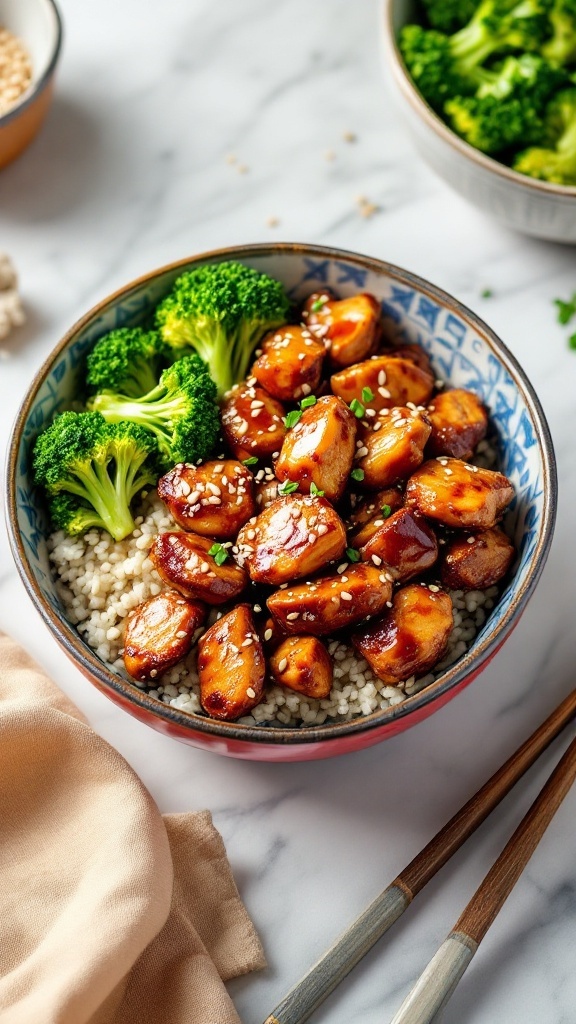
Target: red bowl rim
470,662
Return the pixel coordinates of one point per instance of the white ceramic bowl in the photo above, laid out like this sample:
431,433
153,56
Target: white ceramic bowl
535,207
38,25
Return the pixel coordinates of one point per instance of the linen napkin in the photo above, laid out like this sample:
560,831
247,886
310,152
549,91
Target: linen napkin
109,912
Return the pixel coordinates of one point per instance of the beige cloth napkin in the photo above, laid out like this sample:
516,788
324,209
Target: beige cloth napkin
109,913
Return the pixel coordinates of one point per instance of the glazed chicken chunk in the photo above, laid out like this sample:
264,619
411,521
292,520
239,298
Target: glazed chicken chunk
416,354
459,421
459,495
390,380
405,545
394,447
231,667
302,663
329,603
159,633
183,560
477,561
294,537
371,513
350,327
320,448
291,363
253,422
214,499
411,637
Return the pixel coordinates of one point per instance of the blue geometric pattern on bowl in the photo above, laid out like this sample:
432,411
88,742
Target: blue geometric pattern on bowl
459,356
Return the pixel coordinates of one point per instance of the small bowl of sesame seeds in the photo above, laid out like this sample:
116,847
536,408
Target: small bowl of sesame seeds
30,42
84,587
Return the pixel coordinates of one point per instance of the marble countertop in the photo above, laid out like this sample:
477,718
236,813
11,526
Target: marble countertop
134,169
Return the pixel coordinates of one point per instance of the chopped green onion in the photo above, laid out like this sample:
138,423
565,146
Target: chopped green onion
288,487
386,511
357,408
572,341
292,418
219,553
566,310
315,491
307,402
367,395
317,305
352,555
252,461
486,293
357,474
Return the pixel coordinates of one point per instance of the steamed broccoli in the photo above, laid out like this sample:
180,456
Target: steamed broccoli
556,163
449,15
128,360
508,106
445,66
222,311
561,46
180,411
92,470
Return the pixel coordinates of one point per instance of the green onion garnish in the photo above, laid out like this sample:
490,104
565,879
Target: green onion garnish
219,553
315,491
357,474
367,395
308,401
292,418
352,555
386,511
357,408
252,461
288,487
317,305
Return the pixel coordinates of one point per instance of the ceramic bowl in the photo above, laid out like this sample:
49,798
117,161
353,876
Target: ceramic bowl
537,208
37,23
464,352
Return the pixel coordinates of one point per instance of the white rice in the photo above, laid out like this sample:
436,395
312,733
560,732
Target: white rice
100,580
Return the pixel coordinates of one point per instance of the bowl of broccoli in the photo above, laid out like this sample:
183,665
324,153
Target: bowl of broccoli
488,89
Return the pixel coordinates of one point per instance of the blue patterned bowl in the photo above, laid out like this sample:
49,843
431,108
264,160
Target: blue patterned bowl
464,352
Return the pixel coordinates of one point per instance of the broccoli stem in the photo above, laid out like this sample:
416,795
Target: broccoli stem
94,485
156,414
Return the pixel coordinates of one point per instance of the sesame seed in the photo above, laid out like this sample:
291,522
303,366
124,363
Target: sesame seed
384,393
153,673
268,634
292,616
283,664
247,642
434,588
345,595
470,540
257,608
306,389
204,567
389,604
342,568
377,560
215,501
448,472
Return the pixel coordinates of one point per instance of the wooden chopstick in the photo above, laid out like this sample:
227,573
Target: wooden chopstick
311,991
437,983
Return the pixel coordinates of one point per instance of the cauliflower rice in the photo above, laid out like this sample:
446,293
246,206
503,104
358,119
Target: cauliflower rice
100,580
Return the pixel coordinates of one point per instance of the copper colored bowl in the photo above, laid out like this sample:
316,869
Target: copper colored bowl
464,352
38,25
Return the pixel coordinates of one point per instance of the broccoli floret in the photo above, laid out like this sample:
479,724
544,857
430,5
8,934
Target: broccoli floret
443,66
493,125
92,470
561,47
181,412
508,106
222,311
128,360
557,163
449,15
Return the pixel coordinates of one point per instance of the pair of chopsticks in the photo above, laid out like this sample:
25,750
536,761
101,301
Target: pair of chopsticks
437,983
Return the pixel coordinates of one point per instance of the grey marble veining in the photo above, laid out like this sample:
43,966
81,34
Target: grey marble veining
131,172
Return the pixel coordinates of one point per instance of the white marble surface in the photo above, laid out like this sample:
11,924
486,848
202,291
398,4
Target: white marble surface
130,173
